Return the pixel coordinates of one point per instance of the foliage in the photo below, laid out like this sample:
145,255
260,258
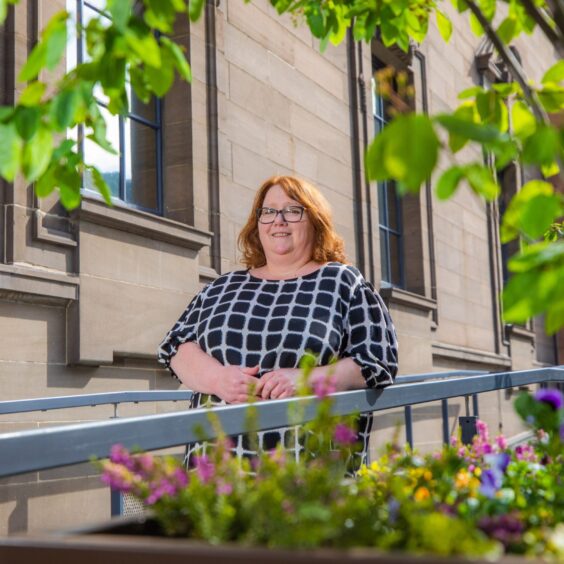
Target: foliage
129,48
509,121
481,499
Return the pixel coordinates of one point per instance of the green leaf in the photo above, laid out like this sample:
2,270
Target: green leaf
531,211
554,74
554,318
538,255
444,24
506,89
508,30
160,80
56,41
482,181
35,62
27,121
120,11
195,9
448,182
552,97
468,129
316,21
10,151
523,121
100,183
144,45
64,107
37,154
470,92
476,26
492,110
179,58
32,94
6,112
542,147
405,151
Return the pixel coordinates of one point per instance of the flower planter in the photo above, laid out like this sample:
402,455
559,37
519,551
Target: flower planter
138,541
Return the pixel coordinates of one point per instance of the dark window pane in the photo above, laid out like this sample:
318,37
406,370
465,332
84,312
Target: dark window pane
141,164
385,256
395,260
382,207
394,207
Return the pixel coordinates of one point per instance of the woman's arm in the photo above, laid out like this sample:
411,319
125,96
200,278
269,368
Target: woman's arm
283,383
200,372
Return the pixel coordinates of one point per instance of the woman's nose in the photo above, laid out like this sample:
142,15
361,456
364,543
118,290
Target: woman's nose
279,217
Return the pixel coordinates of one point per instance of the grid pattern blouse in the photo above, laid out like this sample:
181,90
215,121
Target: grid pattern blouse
242,320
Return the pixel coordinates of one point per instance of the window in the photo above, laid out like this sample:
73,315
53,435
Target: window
389,204
134,175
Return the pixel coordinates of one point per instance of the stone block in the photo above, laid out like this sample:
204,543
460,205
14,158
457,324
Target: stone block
242,127
242,51
248,92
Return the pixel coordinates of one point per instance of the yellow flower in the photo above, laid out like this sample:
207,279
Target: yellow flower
478,471
363,470
462,479
375,467
422,493
428,475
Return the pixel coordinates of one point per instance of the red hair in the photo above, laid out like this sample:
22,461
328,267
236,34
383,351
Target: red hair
329,246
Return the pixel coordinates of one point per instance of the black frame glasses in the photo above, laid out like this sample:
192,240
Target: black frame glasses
284,212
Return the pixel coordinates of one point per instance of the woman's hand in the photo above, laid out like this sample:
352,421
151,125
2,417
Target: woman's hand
235,384
278,384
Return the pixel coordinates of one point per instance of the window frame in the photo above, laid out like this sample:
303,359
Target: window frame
156,126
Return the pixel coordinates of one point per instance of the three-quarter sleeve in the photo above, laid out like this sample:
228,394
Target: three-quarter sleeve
184,331
372,341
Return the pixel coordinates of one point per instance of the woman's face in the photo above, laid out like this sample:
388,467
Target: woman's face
285,240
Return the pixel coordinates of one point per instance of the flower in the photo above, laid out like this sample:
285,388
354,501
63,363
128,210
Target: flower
344,435
422,493
204,468
551,397
506,529
324,385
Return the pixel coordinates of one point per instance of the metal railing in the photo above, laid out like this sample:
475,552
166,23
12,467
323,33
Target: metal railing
53,447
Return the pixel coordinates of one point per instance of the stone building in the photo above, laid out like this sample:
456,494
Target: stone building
86,297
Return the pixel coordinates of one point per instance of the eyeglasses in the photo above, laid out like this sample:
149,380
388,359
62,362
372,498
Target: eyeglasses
290,214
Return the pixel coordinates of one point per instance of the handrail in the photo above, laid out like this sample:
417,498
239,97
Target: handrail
27,451
107,398
62,402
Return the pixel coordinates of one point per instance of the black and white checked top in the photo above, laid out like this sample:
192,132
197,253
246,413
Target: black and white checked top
242,320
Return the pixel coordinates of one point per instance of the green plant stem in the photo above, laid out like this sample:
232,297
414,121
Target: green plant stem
552,35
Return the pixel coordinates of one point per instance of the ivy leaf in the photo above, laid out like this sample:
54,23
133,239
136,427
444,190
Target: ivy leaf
554,74
37,154
448,182
64,107
405,151
508,30
195,9
10,151
27,121
33,93
444,24
523,121
101,184
178,57
482,181
531,211
541,147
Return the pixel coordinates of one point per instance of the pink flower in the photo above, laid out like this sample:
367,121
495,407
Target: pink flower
224,488
120,455
344,435
324,385
482,429
204,468
501,442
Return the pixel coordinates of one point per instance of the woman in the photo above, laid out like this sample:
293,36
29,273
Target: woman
247,331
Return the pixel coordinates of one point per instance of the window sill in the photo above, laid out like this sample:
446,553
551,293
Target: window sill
36,285
142,223
409,299
484,358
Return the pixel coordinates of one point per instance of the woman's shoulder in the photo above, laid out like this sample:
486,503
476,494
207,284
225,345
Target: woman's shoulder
346,273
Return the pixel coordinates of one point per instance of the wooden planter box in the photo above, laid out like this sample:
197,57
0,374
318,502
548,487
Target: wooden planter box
137,541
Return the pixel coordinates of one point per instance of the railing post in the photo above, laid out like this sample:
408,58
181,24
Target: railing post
116,503
408,425
444,411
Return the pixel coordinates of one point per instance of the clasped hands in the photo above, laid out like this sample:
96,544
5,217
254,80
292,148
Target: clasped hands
239,384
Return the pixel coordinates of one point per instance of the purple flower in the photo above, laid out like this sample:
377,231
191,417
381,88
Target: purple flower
324,385
551,397
120,455
224,488
204,468
344,435
507,529
491,482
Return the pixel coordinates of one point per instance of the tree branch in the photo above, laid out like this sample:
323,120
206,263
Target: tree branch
557,9
512,63
555,38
